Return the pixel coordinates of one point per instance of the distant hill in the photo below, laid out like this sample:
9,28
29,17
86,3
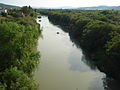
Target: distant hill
63,7
100,8
66,7
85,8
8,6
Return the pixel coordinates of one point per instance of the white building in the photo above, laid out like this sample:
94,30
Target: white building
5,11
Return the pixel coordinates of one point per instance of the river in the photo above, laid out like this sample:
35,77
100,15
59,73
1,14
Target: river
63,66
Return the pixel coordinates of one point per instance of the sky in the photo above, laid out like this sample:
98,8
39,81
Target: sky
59,3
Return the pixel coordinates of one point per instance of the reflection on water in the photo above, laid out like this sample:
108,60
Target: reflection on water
89,63
75,61
63,65
110,84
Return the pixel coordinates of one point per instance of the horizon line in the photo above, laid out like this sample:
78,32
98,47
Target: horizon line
59,6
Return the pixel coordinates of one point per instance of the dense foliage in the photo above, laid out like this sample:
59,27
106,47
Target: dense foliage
18,54
97,32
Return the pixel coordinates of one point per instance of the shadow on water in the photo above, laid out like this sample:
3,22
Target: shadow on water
108,82
79,62
85,57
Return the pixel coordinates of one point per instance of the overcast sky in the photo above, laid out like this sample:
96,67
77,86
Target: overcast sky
58,3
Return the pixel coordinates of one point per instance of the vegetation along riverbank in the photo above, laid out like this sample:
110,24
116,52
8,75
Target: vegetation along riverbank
96,31
19,57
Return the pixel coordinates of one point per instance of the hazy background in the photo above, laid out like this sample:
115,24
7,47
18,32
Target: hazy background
59,3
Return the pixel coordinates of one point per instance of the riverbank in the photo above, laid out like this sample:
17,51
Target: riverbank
18,49
97,32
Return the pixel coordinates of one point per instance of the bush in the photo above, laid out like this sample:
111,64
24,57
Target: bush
4,14
15,79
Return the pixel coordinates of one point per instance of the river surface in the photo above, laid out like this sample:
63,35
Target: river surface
63,66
